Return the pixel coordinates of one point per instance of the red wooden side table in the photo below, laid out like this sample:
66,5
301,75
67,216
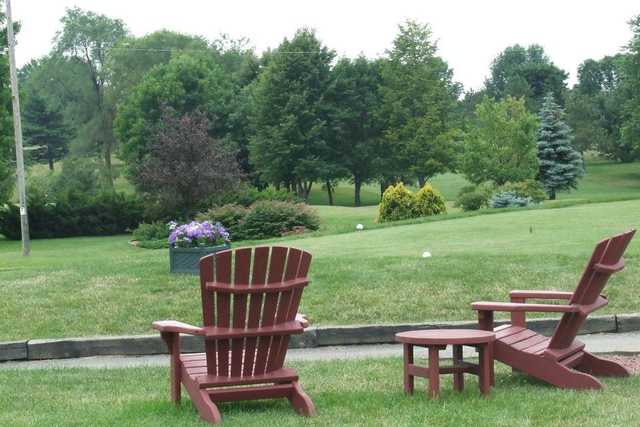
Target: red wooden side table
438,339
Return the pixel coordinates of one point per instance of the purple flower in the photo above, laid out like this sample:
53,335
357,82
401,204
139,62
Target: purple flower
197,234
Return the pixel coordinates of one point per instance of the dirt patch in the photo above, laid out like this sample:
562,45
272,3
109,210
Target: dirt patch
630,362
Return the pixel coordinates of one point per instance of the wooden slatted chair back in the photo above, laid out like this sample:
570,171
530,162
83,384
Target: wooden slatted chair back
252,295
607,258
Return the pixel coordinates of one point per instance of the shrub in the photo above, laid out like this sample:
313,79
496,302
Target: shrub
274,218
263,219
96,215
232,216
429,201
247,195
472,201
474,197
397,203
508,199
158,230
530,188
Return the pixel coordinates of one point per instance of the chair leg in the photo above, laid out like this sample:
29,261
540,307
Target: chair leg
593,365
300,401
207,410
173,344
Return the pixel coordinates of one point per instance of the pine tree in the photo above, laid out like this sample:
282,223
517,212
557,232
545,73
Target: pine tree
560,164
45,131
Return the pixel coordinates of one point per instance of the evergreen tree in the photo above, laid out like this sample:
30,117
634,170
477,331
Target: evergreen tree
44,131
560,164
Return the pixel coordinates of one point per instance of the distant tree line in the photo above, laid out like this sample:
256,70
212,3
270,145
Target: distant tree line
297,116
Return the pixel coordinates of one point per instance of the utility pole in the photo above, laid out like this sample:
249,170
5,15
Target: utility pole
17,128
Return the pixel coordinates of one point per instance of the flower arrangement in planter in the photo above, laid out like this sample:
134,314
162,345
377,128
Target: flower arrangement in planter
190,242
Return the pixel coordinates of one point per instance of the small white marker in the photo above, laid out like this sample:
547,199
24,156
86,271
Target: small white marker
359,227
426,254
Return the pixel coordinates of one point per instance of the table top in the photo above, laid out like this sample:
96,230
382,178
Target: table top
445,336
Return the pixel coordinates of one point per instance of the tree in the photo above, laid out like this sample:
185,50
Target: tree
189,82
44,130
527,72
419,98
630,128
290,146
501,144
132,58
587,120
86,38
594,107
356,121
560,163
185,165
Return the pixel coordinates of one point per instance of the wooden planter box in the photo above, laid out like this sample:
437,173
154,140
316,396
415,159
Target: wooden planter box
185,260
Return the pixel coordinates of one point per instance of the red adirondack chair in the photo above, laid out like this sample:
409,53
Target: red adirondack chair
250,300
560,360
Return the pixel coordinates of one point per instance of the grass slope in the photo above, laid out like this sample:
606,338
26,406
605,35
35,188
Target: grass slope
103,286
604,180
362,392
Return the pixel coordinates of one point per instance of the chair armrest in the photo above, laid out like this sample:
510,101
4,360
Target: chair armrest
303,320
520,307
176,327
540,294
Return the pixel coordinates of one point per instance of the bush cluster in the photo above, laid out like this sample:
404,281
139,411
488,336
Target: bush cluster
529,188
508,199
399,203
152,235
246,196
263,219
72,203
95,215
510,194
474,197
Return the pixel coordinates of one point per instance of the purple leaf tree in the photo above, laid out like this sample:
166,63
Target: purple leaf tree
185,165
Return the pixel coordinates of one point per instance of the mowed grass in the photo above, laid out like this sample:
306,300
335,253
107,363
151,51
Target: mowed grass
355,393
103,286
604,181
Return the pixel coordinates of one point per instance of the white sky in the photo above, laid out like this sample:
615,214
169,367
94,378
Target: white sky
470,33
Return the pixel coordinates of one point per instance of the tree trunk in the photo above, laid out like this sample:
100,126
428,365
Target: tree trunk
357,183
552,195
421,181
107,165
330,192
307,190
300,189
50,162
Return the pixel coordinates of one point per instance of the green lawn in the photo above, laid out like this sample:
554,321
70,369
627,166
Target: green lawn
103,286
604,180
357,393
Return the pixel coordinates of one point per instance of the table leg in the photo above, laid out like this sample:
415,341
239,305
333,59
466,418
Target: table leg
458,377
434,371
408,360
485,369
